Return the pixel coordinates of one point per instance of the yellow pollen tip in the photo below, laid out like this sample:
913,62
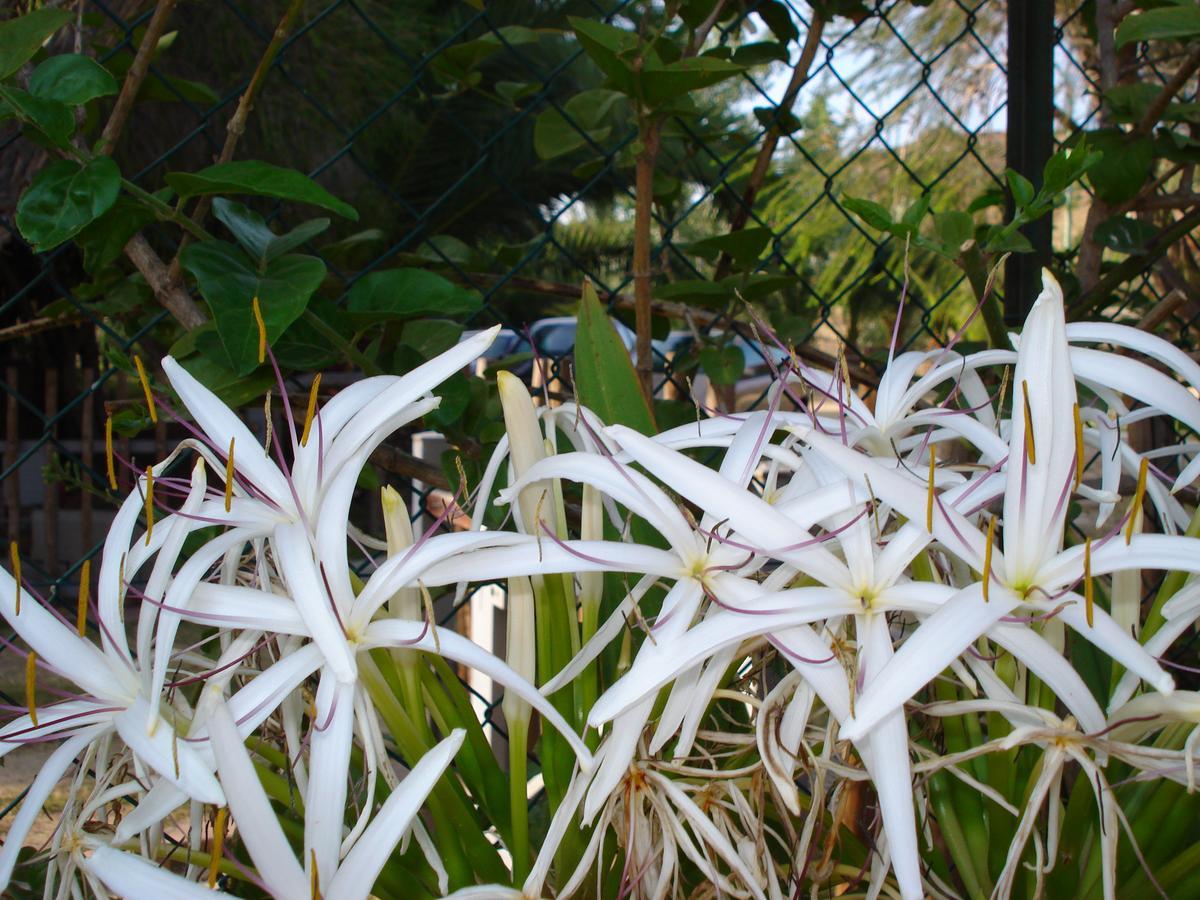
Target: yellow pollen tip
108,452
987,557
141,370
229,477
1030,447
218,846
1089,592
85,585
311,412
1135,508
262,330
149,503
929,497
31,686
314,877
1079,450
14,557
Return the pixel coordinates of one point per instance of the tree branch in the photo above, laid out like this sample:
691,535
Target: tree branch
1181,77
169,292
134,77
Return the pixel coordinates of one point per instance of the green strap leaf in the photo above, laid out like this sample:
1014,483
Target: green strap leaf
259,179
605,381
22,37
65,197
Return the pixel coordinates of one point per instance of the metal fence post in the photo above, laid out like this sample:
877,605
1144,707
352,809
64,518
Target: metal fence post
1030,137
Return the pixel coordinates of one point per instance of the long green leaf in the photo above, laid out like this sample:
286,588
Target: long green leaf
605,381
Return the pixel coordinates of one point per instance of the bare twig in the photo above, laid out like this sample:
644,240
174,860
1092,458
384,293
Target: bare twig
169,293
762,162
237,123
38,325
1181,77
134,77
642,281
396,461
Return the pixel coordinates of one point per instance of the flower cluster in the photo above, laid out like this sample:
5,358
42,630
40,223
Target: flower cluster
764,648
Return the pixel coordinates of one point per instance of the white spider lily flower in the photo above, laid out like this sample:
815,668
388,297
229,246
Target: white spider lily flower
349,878
362,415
1033,570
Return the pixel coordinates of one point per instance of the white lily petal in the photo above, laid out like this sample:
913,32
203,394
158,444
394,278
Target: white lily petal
366,859
61,648
387,410
927,651
233,606
757,520
132,876
658,663
155,742
416,636
328,768
546,557
1052,668
1117,643
39,791
257,823
307,587
1032,515
888,762
620,748
220,424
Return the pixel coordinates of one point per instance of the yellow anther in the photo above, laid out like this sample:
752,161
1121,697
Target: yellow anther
1079,452
1089,593
311,413
218,845
987,557
31,686
141,370
81,609
1030,447
314,877
149,503
1135,508
14,557
229,477
269,421
108,453
174,744
462,476
262,330
929,497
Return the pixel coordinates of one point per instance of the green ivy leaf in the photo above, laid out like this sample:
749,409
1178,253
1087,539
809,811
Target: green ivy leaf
611,49
407,293
229,281
954,228
455,393
256,237
605,381
869,211
776,16
1125,234
662,82
554,135
723,365
302,347
1022,188
744,247
103,241
258,179
1167,23
22,37
51,118
64,197
72,79
1126,164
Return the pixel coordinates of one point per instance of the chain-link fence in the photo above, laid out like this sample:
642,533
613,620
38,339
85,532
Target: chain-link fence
445,125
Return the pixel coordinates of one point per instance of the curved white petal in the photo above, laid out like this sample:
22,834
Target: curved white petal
131,876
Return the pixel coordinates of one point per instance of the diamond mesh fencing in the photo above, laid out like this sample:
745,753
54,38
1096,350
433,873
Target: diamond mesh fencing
459,135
